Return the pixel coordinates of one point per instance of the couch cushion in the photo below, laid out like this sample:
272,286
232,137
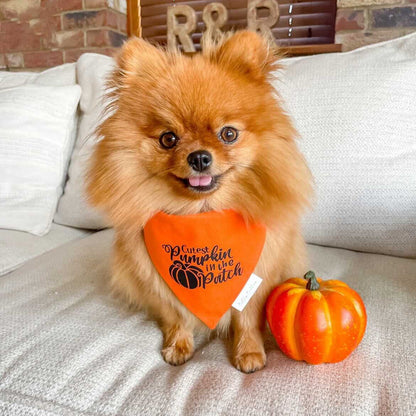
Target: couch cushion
73,208
17,247
37,125
69,348
355,113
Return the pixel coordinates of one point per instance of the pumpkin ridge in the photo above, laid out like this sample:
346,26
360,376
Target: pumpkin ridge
296,324
350,296
355,317
290,326
279,290
330,331
359,309
296,281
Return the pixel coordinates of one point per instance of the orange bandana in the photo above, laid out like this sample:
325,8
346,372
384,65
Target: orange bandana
206,259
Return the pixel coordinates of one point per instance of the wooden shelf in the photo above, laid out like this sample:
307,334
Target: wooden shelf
301,50
310,49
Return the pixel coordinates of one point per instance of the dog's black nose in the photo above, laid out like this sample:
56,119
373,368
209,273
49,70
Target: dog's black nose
199,160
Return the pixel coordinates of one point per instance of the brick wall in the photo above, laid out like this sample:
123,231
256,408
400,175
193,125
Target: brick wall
361,22
37,34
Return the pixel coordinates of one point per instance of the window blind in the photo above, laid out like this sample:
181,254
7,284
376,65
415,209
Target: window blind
301,22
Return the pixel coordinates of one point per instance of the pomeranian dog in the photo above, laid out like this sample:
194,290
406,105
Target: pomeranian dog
192,134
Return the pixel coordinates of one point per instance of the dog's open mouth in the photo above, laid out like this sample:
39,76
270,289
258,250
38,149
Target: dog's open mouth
203,183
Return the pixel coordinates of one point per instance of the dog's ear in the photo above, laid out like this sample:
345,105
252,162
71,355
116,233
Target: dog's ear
139,58
247,53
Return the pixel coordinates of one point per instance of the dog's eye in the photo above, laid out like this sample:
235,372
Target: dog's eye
228,134
168,140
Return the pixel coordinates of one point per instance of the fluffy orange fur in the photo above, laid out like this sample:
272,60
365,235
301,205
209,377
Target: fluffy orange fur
264,176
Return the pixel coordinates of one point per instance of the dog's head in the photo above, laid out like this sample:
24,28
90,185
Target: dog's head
189,134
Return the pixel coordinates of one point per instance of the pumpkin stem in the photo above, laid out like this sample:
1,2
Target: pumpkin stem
312,282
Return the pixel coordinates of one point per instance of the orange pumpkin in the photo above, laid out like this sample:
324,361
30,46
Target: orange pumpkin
314,320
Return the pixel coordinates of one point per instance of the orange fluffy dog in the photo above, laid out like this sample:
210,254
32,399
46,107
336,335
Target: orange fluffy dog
190,135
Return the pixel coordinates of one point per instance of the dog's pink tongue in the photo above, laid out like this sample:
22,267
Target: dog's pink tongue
200,180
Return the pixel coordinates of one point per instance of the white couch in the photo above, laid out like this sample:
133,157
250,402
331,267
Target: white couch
68,348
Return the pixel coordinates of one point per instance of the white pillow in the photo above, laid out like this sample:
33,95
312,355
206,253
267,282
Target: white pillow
36,127
356,116
73,208
57,76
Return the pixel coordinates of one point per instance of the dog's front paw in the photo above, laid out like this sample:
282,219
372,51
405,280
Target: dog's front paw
179,352
250,362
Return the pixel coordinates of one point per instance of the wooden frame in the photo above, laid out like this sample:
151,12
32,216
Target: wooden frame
134,29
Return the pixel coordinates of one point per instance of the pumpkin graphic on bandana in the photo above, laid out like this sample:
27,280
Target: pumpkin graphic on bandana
186,275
